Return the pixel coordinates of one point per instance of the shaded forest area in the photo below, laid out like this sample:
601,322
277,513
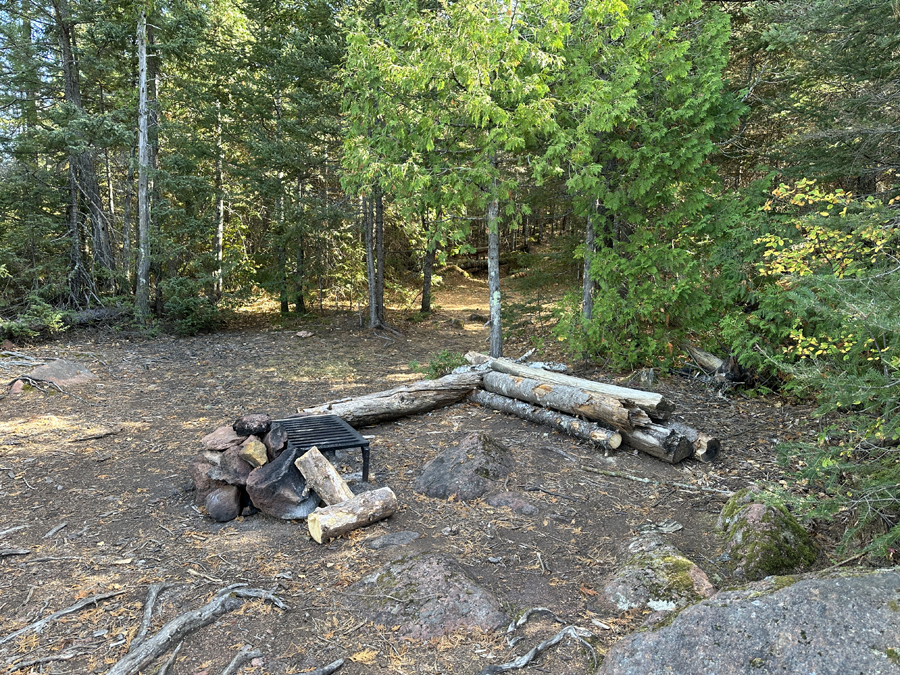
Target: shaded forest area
718,172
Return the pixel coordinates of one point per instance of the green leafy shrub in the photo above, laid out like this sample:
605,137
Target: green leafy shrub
821,317
189,307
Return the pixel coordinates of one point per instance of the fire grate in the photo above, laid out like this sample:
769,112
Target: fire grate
326,432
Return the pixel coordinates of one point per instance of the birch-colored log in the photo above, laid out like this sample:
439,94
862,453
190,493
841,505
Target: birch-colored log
570,400
322,478
660,441
364,509
573,426
657,406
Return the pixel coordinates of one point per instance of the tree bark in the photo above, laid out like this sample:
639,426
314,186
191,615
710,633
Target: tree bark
573,426
655,405
322,478
379,258
567,399
219,235
587,286
369,220
662,442
364,509
493,233
407,399
142,293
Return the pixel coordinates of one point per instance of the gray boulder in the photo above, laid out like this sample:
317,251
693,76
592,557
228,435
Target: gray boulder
199,469
393,540
427,596
277,488
762,539
844,625
224,504
468,470
232,469
254,423
221,439
275,441
658,577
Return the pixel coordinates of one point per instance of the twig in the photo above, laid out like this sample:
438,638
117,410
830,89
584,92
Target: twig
3,533
683,486
569,631
327,670
4,552
164,670
205,576
152,594
527,615
537,488
844,562
54,530
22,665
95,436
226,600
50,559
39,625
247,653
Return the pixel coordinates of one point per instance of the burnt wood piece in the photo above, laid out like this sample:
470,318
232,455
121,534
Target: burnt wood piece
661,442
408,399
573,426
706,446
364,509
322,477
658,407
571,400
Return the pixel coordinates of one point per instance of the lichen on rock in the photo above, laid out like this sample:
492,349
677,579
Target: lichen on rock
762,538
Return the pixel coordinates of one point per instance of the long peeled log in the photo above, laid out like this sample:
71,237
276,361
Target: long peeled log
655,405
570,400
364,509
573,426
663,442
407,399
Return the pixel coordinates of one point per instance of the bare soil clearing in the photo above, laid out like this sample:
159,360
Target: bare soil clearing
111,469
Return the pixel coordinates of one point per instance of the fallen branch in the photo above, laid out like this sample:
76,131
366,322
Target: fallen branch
65,656
33,381
38,626
164,670
152,595
569,631
10,530
327,670
54,530
4,552
226,600
95,436
683,486
246,654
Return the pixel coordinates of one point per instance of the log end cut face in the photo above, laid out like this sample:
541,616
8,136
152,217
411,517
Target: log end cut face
467,470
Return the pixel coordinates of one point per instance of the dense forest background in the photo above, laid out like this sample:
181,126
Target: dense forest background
723,172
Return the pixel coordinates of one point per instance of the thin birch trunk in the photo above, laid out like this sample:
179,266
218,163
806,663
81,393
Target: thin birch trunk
142,294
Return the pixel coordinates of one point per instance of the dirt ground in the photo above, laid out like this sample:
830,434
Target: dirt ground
127,515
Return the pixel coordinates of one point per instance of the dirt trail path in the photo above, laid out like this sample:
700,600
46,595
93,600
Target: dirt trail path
128,519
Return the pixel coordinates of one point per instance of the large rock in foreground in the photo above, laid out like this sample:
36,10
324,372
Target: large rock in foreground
427,596
837,626
468,470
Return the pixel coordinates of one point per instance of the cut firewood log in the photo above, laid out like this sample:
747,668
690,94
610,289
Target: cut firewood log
724,370
364,509
571,400
573,426
655,405
660,441
408,399
706,447
322,478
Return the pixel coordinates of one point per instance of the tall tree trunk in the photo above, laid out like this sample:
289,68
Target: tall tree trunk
379,257
126,222
587,287
299,299
219,237
369,225
142,294
83,173
493,233
427,262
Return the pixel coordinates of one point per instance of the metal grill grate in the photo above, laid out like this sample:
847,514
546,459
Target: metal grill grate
326,432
